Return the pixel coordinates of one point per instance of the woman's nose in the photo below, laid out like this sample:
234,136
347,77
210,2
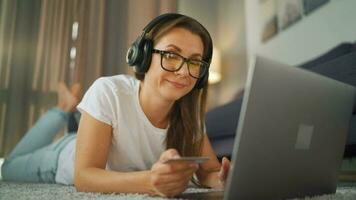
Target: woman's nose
183,71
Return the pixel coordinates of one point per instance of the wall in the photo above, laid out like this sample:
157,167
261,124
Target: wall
313,35
225,20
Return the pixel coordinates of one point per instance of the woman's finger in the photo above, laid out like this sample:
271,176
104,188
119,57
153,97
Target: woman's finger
173,189
174,177
169,153
224,170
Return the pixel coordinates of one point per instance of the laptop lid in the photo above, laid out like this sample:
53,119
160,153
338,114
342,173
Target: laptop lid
291,134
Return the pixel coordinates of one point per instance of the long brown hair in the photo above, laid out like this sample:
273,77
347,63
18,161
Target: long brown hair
186,118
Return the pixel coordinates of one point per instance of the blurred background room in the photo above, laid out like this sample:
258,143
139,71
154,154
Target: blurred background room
43,42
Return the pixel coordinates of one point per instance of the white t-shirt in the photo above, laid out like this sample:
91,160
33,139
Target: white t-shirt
136,144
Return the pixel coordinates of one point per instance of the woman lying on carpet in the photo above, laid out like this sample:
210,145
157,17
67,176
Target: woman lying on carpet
130,127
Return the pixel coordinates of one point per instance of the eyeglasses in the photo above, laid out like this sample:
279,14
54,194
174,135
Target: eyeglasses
173,62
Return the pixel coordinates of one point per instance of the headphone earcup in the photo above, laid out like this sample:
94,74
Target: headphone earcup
202,81
145,63
139,55
133,54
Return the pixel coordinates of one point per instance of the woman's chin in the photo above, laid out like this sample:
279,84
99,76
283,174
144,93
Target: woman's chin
174,95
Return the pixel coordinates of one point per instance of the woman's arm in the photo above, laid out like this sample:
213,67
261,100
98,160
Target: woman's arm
212,173
93,143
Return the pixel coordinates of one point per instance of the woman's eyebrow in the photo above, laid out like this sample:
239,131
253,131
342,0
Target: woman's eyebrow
174,47
179,50
196,55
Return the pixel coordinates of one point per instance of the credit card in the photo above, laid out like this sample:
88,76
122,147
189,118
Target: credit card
198,160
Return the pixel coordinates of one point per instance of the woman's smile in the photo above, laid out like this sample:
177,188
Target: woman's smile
177,84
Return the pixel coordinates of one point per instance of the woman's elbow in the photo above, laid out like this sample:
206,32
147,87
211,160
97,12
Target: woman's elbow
78,182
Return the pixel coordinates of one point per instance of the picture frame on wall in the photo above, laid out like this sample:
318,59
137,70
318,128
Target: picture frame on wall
277,15
289,12
311,5
268,19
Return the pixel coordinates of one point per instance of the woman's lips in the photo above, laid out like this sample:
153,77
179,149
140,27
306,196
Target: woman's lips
177,84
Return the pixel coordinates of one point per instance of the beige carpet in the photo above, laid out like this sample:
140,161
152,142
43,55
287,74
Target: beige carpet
20,191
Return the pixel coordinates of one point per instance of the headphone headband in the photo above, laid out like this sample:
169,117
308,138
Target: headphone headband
159,19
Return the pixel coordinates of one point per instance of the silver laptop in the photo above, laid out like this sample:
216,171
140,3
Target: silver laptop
291,135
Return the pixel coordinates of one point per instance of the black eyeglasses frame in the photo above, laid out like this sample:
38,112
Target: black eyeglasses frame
185,60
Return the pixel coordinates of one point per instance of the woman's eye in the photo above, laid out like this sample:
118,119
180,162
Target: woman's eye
171,56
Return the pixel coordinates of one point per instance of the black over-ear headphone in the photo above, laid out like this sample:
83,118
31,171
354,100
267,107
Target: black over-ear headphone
140,52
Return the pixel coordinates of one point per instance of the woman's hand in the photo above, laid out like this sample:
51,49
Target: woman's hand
170,179
224,171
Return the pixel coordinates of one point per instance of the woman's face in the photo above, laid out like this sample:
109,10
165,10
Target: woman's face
171,86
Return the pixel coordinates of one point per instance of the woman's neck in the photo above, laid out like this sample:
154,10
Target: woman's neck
155,108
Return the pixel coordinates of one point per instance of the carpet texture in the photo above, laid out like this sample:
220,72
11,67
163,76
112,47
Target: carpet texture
20,191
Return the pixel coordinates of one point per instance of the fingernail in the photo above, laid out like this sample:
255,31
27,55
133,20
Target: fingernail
176,156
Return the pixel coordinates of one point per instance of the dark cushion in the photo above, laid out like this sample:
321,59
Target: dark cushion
222,121
223,146
342,68
336,52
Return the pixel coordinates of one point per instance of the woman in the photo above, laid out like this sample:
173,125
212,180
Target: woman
130,127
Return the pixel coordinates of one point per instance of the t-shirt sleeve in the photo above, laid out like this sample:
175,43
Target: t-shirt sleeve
99,101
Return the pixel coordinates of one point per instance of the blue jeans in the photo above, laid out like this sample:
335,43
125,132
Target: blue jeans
34,159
